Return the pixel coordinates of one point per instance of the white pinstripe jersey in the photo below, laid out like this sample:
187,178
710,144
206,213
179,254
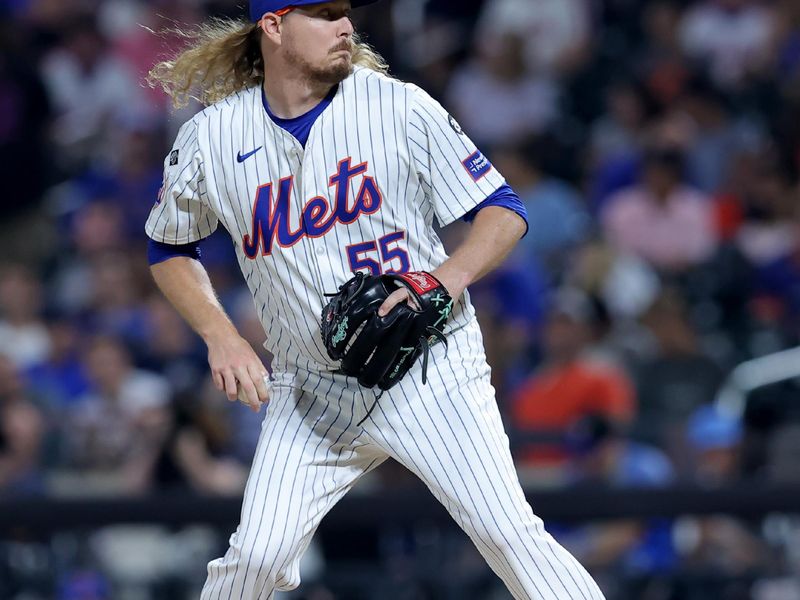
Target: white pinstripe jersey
382,161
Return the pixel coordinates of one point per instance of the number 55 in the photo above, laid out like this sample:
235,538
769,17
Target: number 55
387,248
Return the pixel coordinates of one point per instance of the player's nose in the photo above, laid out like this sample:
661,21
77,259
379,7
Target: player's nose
345,27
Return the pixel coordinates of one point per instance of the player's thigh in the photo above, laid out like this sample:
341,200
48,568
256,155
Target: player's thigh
308,456
450,433
451,437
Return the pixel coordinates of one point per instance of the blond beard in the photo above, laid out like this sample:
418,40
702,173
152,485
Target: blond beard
318,75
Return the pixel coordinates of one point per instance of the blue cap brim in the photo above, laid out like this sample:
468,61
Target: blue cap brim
258,8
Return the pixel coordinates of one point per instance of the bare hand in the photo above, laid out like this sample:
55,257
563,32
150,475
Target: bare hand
395,298
401,294
237,371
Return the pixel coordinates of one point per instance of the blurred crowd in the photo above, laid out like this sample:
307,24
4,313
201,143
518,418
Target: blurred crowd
655,144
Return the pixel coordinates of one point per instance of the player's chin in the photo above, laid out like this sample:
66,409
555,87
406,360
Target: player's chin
339,68
342,59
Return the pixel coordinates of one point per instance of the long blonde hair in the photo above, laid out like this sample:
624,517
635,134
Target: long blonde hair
223,57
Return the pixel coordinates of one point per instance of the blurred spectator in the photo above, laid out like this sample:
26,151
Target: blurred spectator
23,334
622,287
60,378
601,454
779,282
89,88
788,36
555,32
116,298
619,132
715,137
661,219
714,441
770,202
97,228
117,431
510,304
94,229
496,100
611,175
731,37
201,449
674,381
21,436
557,215
129,179
170,347
129,25
717,545
567,386
660,62
84,584
625,283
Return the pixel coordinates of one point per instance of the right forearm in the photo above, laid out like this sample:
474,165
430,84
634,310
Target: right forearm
235,367
186,284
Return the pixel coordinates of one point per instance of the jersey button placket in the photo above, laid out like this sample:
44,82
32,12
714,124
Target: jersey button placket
306,171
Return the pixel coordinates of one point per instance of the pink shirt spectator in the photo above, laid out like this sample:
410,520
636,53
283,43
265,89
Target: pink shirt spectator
670,235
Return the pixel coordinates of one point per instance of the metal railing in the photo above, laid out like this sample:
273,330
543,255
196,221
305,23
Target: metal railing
756,373
43,516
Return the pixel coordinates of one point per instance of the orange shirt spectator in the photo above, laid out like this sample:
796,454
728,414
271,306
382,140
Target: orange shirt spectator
569,385
551,401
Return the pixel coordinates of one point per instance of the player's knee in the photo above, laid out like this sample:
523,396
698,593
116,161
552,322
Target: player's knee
275,560
505,538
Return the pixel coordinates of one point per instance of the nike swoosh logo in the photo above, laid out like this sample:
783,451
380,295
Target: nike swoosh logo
243,157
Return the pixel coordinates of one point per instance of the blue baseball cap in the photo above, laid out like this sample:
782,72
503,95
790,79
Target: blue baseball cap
258,8
710,429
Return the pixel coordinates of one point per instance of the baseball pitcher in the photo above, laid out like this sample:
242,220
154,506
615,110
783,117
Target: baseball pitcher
329,176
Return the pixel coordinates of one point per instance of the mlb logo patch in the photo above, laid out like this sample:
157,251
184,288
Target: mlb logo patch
477,165
173,158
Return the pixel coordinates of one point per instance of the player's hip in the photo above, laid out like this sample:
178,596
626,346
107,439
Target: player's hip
461,357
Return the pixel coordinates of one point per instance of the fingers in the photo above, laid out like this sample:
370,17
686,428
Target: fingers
261,381
229,385
247,392
238,372
395,298
219,382
254,386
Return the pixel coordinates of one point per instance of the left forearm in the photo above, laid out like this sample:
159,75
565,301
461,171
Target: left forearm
492,236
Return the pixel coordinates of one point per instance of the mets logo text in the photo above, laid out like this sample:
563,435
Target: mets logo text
272,220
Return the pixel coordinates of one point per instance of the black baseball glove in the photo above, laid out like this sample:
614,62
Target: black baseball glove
380,350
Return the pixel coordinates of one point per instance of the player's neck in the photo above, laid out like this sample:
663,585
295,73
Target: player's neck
289,98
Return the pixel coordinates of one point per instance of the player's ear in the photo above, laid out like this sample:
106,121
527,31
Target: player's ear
271,25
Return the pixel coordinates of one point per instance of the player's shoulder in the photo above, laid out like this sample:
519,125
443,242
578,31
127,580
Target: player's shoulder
413,94
224,109
362,76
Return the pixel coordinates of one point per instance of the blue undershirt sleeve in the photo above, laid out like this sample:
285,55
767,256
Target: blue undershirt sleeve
158,252
507,198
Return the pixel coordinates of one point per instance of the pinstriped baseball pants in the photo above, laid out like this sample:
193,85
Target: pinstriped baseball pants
449,433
